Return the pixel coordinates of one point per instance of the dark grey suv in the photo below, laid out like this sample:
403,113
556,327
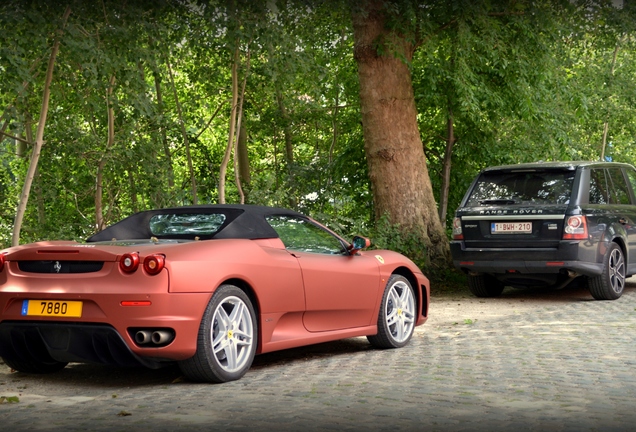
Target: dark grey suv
548,224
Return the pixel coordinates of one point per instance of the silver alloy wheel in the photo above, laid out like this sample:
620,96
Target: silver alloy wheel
400,311
616,270
232,334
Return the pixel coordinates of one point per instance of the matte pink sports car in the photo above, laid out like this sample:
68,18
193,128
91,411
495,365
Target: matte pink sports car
205,286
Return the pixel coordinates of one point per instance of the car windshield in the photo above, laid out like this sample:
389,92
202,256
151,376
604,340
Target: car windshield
508,188
186,224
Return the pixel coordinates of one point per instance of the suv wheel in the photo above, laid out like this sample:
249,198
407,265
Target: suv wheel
484,285
610,283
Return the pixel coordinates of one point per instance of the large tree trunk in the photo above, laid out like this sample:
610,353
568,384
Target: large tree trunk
397,166
39,138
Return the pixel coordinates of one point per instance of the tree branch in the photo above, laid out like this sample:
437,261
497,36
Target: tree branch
15,138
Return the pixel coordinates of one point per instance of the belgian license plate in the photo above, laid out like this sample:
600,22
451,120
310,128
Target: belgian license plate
54,308
511,227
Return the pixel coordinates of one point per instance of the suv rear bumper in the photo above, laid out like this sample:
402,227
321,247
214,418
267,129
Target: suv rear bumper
568,255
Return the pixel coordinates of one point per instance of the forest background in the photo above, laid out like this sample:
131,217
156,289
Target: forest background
371,116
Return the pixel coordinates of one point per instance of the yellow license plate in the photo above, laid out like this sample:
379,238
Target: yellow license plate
55,308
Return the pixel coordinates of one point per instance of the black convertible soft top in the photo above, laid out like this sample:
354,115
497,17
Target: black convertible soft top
239,221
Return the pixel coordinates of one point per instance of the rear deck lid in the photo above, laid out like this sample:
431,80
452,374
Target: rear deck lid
73,257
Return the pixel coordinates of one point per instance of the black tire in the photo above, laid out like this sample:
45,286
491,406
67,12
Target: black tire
34,366
397,316
484,285
609,285
227,339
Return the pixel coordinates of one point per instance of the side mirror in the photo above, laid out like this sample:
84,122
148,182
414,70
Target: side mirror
359,243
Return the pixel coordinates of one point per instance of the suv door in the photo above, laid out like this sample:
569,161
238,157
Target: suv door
622,199
610,212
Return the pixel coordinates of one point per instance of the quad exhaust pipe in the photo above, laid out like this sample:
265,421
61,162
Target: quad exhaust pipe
154,337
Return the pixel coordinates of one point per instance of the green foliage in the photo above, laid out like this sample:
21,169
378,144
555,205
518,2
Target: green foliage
391,236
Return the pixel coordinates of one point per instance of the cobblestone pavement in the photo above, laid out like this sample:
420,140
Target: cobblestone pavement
565,365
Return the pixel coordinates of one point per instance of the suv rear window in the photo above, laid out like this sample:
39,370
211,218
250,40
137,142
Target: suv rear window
543,187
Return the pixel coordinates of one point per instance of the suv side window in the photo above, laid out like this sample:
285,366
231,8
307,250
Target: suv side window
598,187
620,192
631,175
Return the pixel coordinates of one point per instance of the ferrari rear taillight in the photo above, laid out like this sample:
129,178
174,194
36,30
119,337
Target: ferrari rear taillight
2,259
153,264
575,228
129,262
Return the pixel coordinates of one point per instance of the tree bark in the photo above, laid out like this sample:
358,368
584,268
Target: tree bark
39,138
397,165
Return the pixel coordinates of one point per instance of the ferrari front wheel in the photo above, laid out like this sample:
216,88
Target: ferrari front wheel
226,343
396,320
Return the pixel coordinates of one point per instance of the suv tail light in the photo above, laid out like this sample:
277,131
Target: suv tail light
575,228
457,229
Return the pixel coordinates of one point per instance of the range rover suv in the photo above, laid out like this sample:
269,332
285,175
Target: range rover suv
548,224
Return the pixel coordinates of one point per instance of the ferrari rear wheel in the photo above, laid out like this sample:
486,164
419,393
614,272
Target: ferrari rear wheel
396,320
34,366
227,338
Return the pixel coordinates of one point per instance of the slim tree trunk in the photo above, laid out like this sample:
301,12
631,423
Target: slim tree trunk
110,141
243,156
39,138
239,127
133,191
230,139
162,128
37,185
606,124
397,166
446,168
289,147
184,133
